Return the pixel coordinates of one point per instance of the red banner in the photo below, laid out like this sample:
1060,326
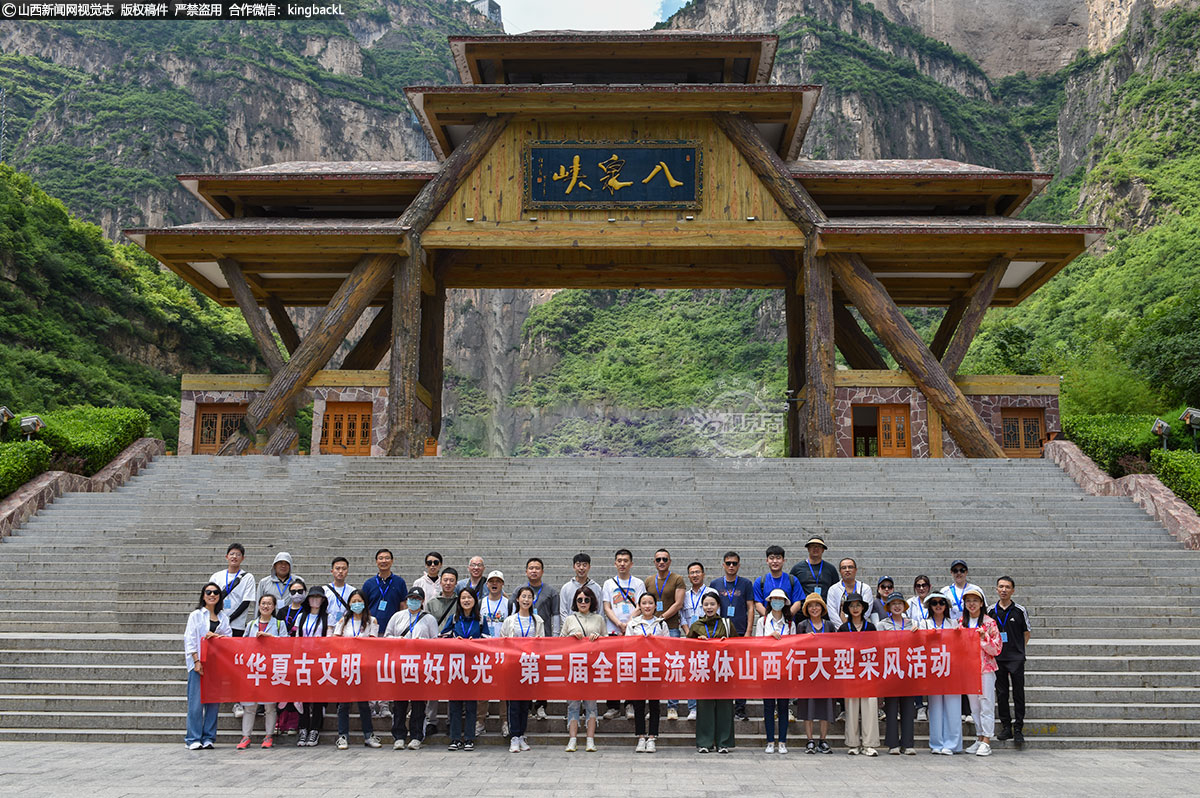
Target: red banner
799,666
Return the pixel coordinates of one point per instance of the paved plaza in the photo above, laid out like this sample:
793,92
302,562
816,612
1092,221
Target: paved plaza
31,770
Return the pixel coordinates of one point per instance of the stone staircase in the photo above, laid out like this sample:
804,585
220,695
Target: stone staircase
100,584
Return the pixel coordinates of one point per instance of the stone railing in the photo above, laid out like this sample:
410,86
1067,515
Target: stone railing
38,492
1145,489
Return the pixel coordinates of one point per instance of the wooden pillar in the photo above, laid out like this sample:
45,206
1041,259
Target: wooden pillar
944,397
949,323
374,344
406,330
979,298
852,342
819,427
431,357
283,324
934,422
794,316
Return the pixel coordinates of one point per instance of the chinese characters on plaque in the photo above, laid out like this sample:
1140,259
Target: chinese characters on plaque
613,174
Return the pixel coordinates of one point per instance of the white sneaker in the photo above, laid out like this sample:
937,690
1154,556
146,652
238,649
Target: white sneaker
194,746
968,719
783,748
672,714
984,750
415,745
515,746
541,713
973,749
591,746
480,730
921,714
572,746
692,715
523,743
641,746
238,711
342,743
629,712
869,751
650,746
372,742
610,714
770,748
504,729
398,745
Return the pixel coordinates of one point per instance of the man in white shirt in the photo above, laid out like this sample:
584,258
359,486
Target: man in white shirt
238,592
619,597
338,591
566,597
848,569
955,590
474,577
430,581
691,610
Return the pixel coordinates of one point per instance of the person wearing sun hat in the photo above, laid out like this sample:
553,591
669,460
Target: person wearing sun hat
900,711
862,714
815,575
816,621
776,623
983,705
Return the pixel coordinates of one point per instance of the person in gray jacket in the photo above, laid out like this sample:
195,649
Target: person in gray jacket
279,581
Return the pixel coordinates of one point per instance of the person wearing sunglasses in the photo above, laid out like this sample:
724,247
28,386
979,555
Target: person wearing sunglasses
736,594
430,579
916,610
668,589
585,623
957,588
582,566
205,622
288,718
945,726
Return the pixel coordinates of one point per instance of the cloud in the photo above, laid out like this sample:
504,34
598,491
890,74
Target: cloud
521,16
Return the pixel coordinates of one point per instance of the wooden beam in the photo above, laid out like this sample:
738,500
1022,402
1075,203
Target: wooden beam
944,397
934,423
348,303
283,439
979,299
820,437
437,192
283,324
793,304
406,332
946,328
374,344
431,358
852,342
248,303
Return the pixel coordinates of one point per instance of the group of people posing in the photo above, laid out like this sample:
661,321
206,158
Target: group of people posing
812,598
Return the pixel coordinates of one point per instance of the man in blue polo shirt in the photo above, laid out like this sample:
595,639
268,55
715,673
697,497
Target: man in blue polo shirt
386,592
737,604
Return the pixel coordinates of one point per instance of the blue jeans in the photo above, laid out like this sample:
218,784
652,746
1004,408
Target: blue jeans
364,718
518,718
201,718
945,723
460,729
771,707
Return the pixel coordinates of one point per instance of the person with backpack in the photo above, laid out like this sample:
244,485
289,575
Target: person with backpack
339,589
714,716
239,591
411,623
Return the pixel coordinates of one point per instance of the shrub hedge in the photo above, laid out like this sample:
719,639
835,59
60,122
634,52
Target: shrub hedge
1108,438
87,437
1179,471
20,462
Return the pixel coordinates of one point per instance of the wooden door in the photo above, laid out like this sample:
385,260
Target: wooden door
346,429
214,425
895,439
1022,431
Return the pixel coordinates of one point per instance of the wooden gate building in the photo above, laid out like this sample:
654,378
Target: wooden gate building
619,160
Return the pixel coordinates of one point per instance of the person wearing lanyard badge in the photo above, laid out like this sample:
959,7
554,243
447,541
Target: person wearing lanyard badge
816,622
385,591
339,589
313,621
737,606
862,714
668,601
586,623
945,725
545,606
411,623
522,623
714,716
474,578
620,601
265,625
955,592
900,711
1013,622
776,623
238,592
983,705
280,580
465,623
815,575
917,611
646,623
848,584
357,622
691,611
496,607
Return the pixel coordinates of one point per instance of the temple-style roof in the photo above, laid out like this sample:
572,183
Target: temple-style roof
608,57
781,113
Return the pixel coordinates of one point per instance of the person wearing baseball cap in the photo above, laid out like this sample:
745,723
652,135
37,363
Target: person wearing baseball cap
884,587
862,714
959,586
815,575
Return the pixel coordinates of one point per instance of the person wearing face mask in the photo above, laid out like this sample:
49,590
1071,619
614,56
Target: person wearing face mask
288,717
357,622
411,623
313,621
280,580
265,625
776,623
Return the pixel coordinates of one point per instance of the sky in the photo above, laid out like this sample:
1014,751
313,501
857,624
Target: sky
526,15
